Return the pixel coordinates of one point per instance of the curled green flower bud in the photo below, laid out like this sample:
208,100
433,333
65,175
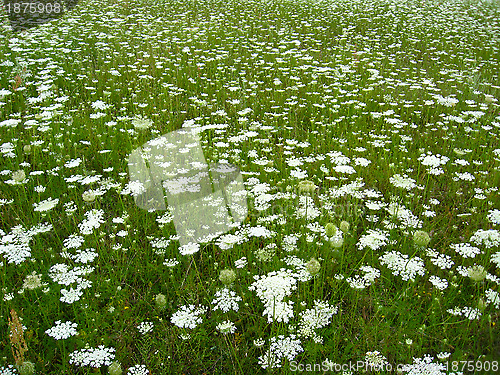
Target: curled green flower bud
421,238
161,301
330,230
27,368
306,187
477,273
313,266
227,276
344,226
115,368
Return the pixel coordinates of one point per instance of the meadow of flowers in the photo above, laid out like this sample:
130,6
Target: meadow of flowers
367,133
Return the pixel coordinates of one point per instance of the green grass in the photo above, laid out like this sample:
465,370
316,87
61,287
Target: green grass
328,84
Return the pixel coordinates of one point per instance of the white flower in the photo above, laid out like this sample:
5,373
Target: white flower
188,316
145,327
403,182
62,331
494,216
226,327
189,249
488,238
374,239
425,366
94,357
226,300
138,370
141,123
45,205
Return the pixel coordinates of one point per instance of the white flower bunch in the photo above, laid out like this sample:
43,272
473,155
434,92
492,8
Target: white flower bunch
488,238
94,219
375,239
138,370
188,316
281,347
272,290
225,300
94,357
400,265
226,327
62,331
317,317
425,366
145,327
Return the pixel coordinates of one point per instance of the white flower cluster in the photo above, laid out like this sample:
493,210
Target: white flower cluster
494,216
404,215
306,208
495,258
62,331
145,327
74,241
424,366
317,317
493,297
45,205
9,370
403,182
188,316
439,283
15,245
442,261
466,250
138,370
94,219
434,162
94,357
281,347
272,290
226,327
189,249
400,265
61,274
469,312
361,282
488,238
225,300
373,240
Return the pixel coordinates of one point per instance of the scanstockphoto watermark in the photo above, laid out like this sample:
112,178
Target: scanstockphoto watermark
344,367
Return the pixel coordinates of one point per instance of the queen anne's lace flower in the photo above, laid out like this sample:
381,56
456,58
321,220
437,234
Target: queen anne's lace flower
188,316
62,331
94,357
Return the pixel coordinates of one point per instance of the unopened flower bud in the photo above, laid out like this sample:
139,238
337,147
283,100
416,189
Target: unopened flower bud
88,196
19,175
421,238
161,301
115,368
330,230
344,226
306,187
337,242
27,149
477,273
313,266
27,368
227,276
481,305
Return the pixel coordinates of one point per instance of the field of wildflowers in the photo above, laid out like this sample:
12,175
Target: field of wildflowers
367,135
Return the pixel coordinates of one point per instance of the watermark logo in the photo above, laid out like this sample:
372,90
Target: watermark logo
25,14
205,200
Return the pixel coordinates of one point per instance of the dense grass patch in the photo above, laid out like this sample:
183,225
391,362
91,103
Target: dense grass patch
367,134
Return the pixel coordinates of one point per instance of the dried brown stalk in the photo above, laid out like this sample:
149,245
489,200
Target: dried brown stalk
18,344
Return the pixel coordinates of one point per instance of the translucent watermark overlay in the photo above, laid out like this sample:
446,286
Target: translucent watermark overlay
25,14
205,200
